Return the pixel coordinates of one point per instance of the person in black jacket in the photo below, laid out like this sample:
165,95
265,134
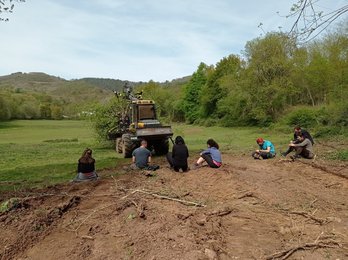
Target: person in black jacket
177,159
86,167
298,134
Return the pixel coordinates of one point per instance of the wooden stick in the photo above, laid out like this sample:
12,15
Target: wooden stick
247,194
185,202
288,252
310,216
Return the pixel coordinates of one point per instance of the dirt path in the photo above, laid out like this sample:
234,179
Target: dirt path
247,209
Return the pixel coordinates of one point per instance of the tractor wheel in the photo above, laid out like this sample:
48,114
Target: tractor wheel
127,146
161,147
119,145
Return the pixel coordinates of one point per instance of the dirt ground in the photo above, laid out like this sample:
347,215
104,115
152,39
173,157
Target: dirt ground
247,209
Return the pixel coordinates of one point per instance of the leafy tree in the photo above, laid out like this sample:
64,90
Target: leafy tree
45,111
160,95
106,116
269,61
212,91
5,112
192,93
56,112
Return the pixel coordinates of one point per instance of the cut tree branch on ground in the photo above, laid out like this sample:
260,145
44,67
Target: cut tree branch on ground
247,194
221,212
307,246
320,221
156,195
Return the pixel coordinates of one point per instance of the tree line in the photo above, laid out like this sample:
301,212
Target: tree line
276,80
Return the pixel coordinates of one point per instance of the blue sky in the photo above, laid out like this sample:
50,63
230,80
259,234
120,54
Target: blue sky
134,40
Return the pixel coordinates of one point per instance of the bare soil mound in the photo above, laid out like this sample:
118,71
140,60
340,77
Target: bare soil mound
247,209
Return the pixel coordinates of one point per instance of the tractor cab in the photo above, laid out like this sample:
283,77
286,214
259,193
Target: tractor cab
143,114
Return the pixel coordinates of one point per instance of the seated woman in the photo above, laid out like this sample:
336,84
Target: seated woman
86,167
211,155
177,159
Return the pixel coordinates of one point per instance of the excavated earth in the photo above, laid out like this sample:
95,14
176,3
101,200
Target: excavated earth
247,209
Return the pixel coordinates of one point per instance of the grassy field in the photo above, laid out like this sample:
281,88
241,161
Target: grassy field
44,152
36,153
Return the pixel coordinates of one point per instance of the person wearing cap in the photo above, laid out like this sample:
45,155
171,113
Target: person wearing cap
266,149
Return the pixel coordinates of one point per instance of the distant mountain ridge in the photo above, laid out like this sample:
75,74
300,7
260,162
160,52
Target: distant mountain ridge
37,80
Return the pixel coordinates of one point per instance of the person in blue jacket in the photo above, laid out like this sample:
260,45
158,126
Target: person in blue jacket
266,149
211,155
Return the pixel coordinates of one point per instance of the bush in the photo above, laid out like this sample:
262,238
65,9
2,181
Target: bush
210,122
303,116
328,131
105,118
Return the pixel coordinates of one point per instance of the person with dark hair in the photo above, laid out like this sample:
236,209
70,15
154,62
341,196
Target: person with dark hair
211,155
297,132
177,159
266,149
141,158
303,148
86,167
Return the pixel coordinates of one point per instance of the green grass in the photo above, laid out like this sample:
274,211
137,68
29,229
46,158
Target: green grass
37,153
233,140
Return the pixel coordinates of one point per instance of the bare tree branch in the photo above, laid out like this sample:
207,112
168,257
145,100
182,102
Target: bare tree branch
310,20
6,7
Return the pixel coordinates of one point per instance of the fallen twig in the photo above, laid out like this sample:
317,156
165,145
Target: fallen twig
185,202
221,212
140,208
312,202
87,237
319,244
310,216
247,194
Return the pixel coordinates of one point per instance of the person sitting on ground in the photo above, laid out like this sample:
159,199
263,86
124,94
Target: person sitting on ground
302,149
266,149
86,167
211,155
297,132
177,159
141,157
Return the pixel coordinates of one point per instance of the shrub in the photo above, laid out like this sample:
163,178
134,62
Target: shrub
302,116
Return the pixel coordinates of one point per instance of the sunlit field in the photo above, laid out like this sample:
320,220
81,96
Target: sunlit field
36,153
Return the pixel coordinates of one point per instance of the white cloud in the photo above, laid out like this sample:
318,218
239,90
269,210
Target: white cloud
134,40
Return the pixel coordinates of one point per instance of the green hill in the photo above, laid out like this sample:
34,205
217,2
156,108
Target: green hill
39,95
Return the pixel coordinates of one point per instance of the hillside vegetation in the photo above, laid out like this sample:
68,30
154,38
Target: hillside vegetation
277,82
40,96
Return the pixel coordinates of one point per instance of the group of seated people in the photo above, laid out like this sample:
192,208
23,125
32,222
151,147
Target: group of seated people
302,144
177,159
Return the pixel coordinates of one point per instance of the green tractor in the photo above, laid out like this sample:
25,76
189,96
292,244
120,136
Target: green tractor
138,121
